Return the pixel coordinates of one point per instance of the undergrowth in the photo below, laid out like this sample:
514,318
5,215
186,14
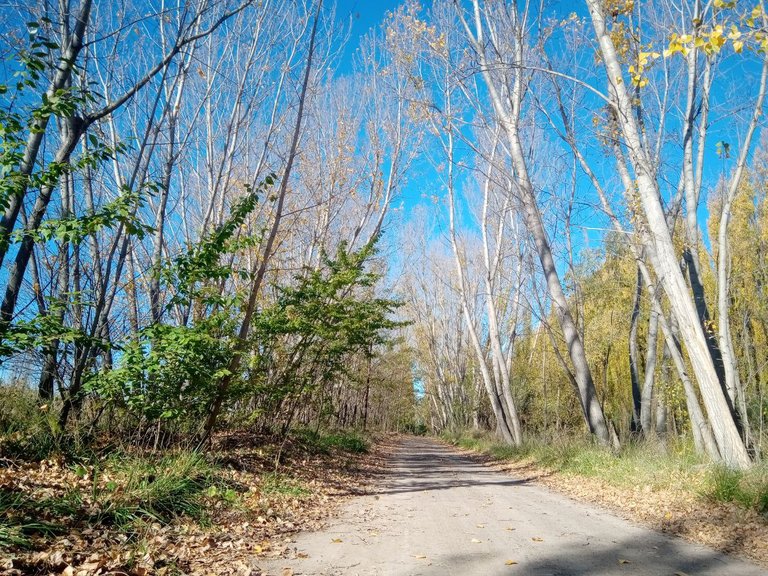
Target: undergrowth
122,492
748,488
123,489
326,442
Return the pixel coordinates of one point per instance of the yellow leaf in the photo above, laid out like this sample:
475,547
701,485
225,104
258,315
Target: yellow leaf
337,540
510,562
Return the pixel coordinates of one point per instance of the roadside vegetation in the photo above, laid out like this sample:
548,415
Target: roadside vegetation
114,507
636,464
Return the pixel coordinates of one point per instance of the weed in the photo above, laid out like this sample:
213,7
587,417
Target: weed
725,484
22,517
347,441
748,488
280,484
141,488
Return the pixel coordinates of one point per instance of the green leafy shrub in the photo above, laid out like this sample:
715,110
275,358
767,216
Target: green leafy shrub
169,372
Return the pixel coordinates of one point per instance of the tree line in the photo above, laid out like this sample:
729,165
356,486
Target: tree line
544,126
201,221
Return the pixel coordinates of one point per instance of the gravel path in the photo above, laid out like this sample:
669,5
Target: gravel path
439,512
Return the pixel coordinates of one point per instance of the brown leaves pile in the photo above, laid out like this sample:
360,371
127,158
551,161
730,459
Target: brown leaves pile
259,523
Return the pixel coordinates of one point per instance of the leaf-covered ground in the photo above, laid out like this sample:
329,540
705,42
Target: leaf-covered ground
675,505
58,517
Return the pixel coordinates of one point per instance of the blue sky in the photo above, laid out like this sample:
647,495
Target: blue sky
364,15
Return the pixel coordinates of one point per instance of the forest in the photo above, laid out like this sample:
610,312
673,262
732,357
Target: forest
287,220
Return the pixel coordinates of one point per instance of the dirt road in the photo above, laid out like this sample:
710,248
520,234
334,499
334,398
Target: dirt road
439,512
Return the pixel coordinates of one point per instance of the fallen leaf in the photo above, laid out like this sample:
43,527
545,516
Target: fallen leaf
510,562
475,541
537,539
509,528
622,561
420,556
481,525
337,540
287,572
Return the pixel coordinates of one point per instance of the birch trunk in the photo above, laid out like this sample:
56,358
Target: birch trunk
509,119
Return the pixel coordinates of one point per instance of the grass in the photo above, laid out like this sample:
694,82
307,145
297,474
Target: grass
125,491
121,492
637,464
27,430
22,517
63,483
748,488
283,485
326,442
132,489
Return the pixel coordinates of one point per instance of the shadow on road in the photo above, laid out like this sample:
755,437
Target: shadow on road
668,558
426,466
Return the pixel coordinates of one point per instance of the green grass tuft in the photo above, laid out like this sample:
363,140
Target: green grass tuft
280,484
748,488
149,489
345,440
